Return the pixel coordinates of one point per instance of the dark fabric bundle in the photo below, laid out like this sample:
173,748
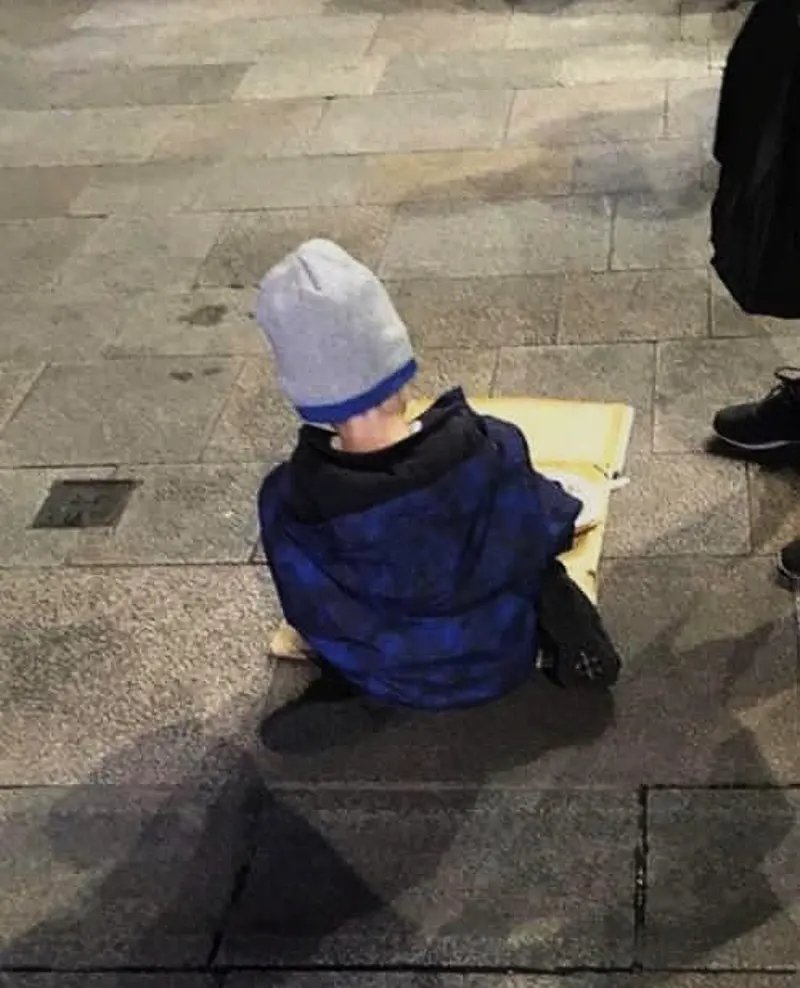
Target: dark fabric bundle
755,216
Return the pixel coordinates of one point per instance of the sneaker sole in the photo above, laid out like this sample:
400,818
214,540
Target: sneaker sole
758,447
793,579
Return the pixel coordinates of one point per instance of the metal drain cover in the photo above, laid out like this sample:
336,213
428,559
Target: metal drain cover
85,504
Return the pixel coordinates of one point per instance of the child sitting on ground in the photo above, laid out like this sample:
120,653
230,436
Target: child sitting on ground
417,560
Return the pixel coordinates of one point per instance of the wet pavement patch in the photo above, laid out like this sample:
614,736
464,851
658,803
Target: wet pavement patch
85,504
206,315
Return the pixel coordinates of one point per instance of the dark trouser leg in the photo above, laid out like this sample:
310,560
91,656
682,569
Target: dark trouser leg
330,686
578,649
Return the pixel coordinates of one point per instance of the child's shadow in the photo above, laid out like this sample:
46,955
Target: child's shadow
360,739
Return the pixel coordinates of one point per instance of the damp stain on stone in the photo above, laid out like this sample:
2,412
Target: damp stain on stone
206,315
84,504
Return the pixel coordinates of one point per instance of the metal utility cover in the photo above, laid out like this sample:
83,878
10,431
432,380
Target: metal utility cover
85,504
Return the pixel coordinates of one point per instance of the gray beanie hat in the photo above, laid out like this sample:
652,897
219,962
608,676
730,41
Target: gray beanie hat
340,346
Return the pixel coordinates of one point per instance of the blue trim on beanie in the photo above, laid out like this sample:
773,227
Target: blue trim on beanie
344,410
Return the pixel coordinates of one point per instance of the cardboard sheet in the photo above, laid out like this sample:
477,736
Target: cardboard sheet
589,439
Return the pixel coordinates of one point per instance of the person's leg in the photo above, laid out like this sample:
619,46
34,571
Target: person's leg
771,423
329,687
576,646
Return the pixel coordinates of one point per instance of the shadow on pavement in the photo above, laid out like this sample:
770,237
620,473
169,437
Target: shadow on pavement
711,881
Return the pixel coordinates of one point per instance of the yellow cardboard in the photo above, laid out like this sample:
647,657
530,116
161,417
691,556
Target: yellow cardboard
579,437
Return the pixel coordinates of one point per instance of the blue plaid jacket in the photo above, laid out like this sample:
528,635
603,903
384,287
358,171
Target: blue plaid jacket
429,599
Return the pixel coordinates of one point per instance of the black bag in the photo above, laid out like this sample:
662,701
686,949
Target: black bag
755,216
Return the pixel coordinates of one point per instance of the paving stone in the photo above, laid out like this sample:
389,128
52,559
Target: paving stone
718,54
601,980
633,62
37,193
515,68
695,378
680,505
619,372
530,29
23,493
413,122
212,322
629,306
722,879
692,107
499,173
774,507
283,184
256,424
279,77
352,980
595,8
34,249
82,137
77,49
20,83
122,13
16,380
469,70
74,414
394,7
109,980
465,239
247,40
727,319
479,312
180,514
434,30
252,242
56,326
149,252
700,24
670,230
151,188
587,114
639,167
438,878
132,675
178,236
242,130
426,980
103,875
145,86
16,127
443,369
31,23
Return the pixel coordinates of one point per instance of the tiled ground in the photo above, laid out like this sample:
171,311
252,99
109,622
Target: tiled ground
533,182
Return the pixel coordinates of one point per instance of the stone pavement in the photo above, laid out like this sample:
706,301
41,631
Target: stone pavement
534,184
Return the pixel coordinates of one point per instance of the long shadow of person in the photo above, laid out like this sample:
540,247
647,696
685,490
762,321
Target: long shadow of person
225,867
126,877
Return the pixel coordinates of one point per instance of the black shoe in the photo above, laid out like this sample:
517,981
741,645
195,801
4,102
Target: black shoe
772,423
577,649
789,562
